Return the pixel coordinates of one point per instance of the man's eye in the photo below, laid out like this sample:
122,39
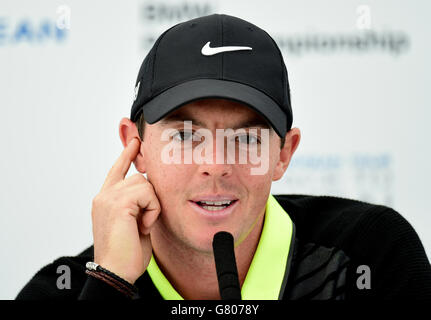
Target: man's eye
248,139
183,136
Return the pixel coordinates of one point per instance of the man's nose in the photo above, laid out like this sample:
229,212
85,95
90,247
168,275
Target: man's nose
219,166
215,170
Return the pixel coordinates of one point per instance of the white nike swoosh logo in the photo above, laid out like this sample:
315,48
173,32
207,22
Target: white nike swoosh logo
137,90
208,51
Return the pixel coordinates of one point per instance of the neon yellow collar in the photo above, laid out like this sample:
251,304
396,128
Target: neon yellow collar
267,275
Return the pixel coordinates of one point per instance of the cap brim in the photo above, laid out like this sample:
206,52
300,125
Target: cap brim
175,97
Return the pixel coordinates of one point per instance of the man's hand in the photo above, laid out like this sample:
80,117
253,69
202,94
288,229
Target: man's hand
123,214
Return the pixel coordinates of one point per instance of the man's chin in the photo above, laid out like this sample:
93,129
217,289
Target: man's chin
202,242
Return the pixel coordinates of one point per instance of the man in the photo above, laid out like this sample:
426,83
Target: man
206,83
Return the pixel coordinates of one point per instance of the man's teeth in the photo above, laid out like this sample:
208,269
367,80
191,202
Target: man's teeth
217,203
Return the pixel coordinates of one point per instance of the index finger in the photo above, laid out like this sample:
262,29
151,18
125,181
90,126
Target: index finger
121,166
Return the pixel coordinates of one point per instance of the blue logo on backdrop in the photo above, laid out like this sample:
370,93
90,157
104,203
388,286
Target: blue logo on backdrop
369,177
30,32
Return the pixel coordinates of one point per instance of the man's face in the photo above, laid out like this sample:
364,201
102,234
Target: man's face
182,188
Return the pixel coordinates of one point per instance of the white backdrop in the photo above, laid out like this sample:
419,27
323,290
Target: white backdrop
359,73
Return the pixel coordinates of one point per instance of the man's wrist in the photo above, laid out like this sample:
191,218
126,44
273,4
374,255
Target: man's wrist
123,285
113,268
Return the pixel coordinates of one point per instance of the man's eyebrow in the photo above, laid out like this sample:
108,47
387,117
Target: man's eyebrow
179,118
255,122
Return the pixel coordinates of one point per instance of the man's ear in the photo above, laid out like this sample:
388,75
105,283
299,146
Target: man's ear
128,131
292,141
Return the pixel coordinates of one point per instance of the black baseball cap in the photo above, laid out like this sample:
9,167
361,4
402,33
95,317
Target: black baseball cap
215,56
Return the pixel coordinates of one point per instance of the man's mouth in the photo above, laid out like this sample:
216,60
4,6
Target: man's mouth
215,205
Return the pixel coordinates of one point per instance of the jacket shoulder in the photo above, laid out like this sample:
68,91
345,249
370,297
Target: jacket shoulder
327,218
62,279
367,234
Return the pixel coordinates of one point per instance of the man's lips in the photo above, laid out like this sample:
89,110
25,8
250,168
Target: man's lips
214,211
214,205
214,197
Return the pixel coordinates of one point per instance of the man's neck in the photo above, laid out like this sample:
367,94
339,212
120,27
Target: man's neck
192,273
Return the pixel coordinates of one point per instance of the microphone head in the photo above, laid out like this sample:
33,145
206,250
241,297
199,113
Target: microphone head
227,272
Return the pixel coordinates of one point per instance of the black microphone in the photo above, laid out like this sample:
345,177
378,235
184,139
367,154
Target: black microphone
227,272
